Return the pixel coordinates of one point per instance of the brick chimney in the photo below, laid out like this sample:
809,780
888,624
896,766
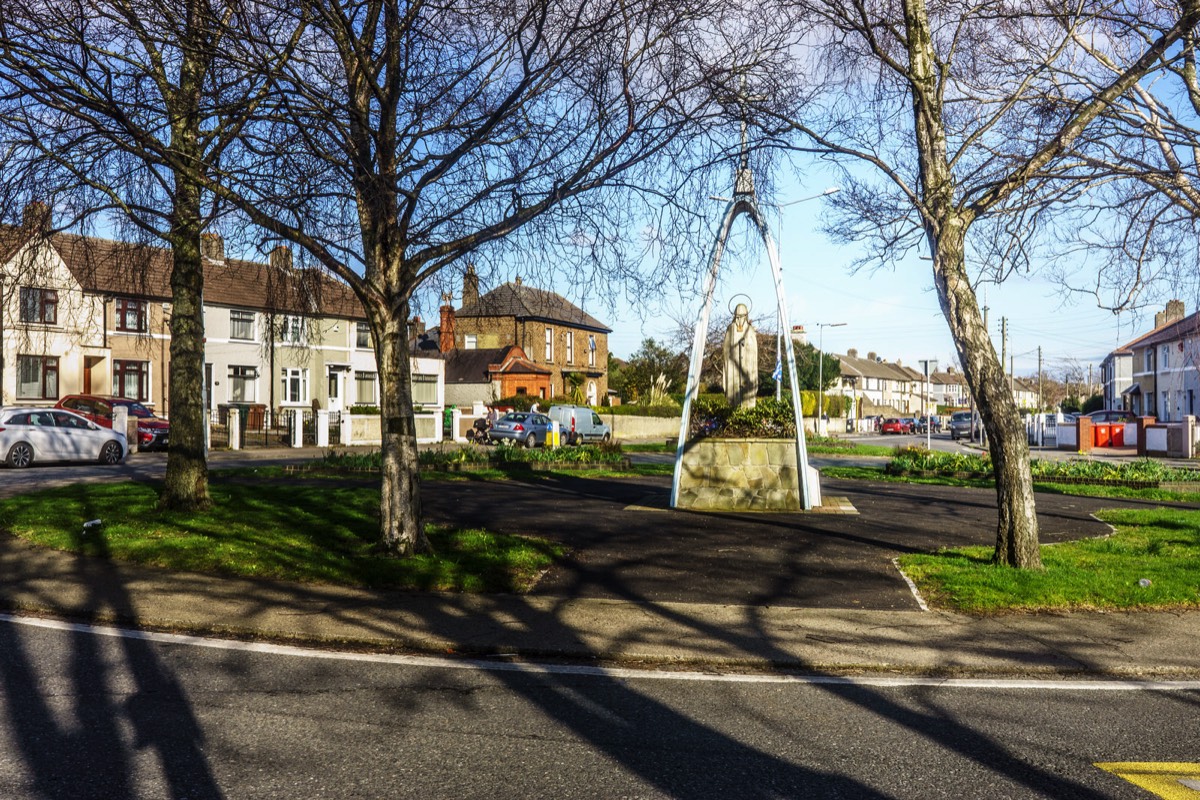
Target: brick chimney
212,246
470,295
518,280
416,327
871,356
1172,313
799,335
852,353
36,217
446,331
280,258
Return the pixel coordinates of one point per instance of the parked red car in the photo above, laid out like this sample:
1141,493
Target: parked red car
153,432
894,425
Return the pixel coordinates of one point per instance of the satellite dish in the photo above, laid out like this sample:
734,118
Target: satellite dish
878,359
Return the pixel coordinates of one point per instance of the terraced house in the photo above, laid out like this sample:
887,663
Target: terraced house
91,315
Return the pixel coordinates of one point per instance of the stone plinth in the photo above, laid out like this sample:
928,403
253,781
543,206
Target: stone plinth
742,475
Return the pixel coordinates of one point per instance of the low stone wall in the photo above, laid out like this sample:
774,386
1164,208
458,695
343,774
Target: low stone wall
630,428
739,475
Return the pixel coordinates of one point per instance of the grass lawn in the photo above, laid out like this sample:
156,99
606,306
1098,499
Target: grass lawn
1160,545
1076,489
273,530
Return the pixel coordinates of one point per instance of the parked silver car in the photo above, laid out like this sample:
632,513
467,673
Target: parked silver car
54,434
521,427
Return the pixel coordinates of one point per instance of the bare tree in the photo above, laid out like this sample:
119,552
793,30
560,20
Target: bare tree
952,121
1143,220
405,136
119,106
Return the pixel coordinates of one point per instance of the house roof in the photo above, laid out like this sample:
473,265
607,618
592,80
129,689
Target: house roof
869,368
1165,332
103,266
526,302
1188,326
476,366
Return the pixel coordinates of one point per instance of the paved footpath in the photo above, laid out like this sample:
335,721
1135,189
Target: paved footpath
646,585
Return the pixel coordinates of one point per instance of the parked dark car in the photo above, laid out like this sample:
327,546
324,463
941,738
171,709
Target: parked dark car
521,427
153,432
962,425
1110,415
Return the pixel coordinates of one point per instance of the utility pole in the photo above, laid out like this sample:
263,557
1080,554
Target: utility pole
1039,378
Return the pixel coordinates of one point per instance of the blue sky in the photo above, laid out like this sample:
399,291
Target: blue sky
893,312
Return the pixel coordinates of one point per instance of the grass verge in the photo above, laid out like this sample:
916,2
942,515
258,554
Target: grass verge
268,530
1151,562
1074,489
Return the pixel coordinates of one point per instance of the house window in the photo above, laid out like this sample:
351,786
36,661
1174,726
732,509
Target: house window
37,378
570,347
295,385
39,305
364,388
424,389
549,345
362,336
241,325
1166,357
291,331
131,379
242,384
591,351
1149,356
131,315
470,342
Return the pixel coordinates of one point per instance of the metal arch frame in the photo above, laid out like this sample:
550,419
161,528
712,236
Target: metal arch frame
743,204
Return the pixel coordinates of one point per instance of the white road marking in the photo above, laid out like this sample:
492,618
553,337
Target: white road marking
912,587
436,662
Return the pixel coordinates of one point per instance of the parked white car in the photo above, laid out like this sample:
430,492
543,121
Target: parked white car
54,434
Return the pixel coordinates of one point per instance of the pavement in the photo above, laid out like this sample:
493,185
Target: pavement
648,586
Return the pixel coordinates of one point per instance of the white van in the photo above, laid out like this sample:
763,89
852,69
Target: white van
579,424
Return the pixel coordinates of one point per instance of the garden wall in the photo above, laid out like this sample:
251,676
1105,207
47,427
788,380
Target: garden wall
630,428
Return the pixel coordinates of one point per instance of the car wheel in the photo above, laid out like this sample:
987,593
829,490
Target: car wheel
20,455
531,441
110,453
607,438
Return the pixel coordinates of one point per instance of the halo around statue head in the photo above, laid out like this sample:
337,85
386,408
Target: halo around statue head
732,308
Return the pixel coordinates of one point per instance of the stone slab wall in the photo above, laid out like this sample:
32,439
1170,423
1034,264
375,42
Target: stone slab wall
631,428
739,475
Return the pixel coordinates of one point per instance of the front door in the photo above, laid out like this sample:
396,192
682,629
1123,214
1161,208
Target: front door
336,389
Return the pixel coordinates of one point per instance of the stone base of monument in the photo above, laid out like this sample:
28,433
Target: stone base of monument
742,475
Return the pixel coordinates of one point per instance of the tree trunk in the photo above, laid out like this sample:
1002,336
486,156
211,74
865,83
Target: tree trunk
185,486
1017,527
401,526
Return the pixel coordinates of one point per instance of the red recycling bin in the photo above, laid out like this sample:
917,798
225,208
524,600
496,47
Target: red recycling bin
1118,434
1101,435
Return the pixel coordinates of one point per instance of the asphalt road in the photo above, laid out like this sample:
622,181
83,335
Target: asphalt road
96,717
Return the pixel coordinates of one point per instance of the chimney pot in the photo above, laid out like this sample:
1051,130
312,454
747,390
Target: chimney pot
281,258
36,217
212,246
446,331
470,294
871,356
852,353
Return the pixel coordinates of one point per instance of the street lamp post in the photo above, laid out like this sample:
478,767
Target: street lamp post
821,372
925,400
